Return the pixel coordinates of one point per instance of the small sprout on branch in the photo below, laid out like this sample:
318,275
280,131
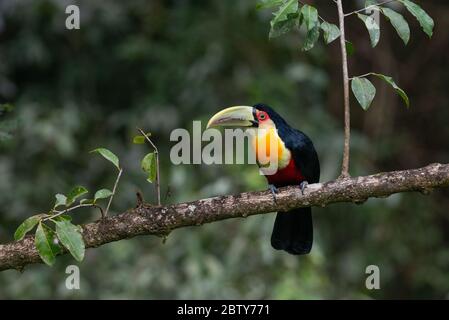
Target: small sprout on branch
150,164
140,139
110,156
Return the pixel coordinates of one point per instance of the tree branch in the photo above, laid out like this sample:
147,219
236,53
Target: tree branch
160,220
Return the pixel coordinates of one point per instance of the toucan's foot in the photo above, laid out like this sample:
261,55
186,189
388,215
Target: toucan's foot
303,185
273,190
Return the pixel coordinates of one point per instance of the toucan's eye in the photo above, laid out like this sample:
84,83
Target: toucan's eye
262,116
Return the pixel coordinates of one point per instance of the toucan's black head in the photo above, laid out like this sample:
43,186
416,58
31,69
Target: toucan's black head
267,112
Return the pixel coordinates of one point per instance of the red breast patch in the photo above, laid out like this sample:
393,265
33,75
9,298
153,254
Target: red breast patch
290,175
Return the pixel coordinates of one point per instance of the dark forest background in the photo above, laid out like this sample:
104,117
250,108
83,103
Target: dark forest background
161,64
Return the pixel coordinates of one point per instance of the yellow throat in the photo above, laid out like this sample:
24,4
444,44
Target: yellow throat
267,139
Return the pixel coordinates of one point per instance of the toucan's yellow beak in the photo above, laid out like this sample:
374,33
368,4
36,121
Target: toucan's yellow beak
239,116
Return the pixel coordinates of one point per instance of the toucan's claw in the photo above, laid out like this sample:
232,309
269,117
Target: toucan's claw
273,190
303,185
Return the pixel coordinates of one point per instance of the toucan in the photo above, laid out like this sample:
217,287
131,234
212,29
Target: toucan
297,164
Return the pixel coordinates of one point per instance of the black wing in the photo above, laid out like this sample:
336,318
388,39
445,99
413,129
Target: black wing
303,152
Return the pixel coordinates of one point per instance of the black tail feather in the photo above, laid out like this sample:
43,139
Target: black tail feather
293,231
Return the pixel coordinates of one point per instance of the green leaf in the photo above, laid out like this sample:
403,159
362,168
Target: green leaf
423,18
364,91
55,245
399,23
71,238
102,194
75,193
27,226
311,38
264,4
61,200
285,18
108,155
330,32
87,201
63,217
45,243
139,140
310,16
373,28
149,166
399,91
350,49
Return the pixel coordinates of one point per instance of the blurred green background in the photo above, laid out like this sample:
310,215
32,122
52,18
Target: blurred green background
161,64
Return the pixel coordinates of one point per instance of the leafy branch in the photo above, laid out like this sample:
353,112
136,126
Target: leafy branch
54,230
296,15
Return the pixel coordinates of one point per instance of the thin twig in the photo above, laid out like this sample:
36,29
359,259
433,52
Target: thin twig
371,6
113,191
344,60
58,213
156,152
